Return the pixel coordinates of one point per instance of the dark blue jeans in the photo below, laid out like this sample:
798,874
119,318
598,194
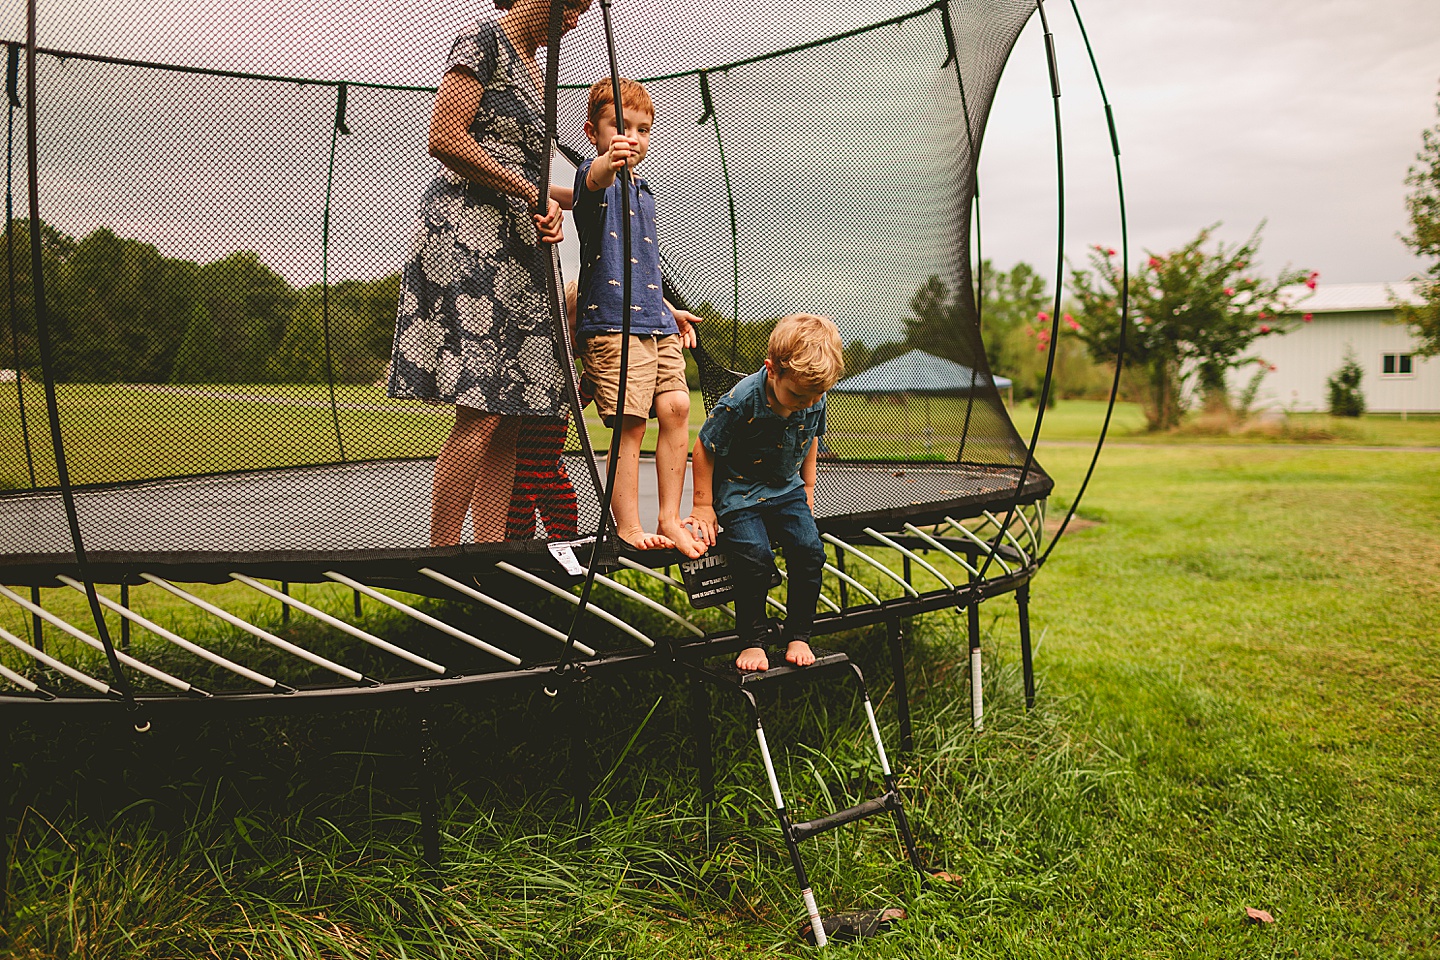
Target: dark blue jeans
746,541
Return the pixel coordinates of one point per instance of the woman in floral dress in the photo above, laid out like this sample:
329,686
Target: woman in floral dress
473,324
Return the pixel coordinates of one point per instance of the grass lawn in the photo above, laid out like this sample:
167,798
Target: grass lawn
1239,707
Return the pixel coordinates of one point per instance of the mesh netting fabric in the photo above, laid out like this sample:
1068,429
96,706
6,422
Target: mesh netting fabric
226,201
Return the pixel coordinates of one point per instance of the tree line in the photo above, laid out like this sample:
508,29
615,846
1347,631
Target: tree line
120,311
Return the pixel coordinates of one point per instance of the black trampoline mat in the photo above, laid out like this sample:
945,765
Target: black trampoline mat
385,506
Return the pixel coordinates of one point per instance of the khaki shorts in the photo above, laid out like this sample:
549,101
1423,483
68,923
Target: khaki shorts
656,366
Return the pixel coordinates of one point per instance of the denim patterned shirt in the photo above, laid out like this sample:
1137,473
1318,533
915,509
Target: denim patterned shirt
602,260
758,453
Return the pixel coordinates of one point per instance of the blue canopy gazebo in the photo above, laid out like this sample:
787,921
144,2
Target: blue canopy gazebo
920,373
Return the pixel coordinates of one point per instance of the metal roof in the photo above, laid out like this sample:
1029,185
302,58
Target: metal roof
1353,297
918,372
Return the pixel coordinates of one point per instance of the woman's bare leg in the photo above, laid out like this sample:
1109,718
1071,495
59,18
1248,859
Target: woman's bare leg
474,472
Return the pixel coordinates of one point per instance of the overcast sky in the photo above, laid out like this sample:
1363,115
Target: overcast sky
1305,113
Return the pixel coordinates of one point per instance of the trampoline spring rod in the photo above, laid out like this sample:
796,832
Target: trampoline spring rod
668,581
909,555
640,598
506,609
982,544
24,683
849,548
425,618
1006,534
179,641
549,587
90,641
56,665
1029,531
851,581
938,545
338,624
255,631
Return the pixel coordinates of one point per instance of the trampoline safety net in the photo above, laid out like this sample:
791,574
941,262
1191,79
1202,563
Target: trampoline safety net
228,196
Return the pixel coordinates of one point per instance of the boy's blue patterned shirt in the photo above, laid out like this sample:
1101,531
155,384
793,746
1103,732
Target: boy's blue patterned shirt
602,261
758,453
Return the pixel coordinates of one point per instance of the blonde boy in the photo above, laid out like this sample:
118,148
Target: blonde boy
655,376
755,474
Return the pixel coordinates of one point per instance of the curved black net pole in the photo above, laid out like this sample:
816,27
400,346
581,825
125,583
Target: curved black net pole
1044,400
12,92
714,118
554,282
336,128
953,51
1124,292
42,336
612,462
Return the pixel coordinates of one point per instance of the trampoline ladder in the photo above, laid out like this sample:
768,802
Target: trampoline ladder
827,665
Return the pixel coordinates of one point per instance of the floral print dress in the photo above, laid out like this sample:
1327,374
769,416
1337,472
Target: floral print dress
473,325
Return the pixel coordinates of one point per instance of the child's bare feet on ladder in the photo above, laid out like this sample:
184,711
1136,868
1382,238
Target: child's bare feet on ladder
752,658
799,653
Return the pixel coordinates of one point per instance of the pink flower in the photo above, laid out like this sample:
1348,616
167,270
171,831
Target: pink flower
1070,322
1041,347
1109,251
1311,280
1155,263
1229,291
1308,317
1264,328
1043,317
1273,368
1262,315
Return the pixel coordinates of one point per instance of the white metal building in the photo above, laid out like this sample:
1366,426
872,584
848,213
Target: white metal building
1360,316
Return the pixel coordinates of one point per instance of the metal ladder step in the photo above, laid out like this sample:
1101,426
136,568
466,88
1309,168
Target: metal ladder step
827,663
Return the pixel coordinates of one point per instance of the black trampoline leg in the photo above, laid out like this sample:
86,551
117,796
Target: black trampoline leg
429,796
579,772
700,727
1027,663
902,689
37,623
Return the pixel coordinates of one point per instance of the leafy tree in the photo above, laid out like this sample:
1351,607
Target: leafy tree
1346,400
119,310
362,327
55,248
1424,239
1014,331
243,311
1193,315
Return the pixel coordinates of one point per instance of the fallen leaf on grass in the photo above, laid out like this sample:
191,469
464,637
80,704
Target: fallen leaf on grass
954,878
1258,916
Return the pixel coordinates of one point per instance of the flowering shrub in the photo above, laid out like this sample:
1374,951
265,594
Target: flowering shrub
1194,314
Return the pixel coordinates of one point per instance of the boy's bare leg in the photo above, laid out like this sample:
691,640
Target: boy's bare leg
625,501
474,471
673,410
799,653
753,658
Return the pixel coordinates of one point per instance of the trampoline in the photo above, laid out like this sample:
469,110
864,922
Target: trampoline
195,349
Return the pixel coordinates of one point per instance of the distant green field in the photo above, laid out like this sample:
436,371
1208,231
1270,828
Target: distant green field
117,432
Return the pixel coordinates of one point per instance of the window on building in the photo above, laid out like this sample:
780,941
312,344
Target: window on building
1397,364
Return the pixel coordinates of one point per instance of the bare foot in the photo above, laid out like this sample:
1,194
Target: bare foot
753,658
684,541
641,540
799,653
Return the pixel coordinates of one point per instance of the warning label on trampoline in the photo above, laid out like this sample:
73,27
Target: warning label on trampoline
707,580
